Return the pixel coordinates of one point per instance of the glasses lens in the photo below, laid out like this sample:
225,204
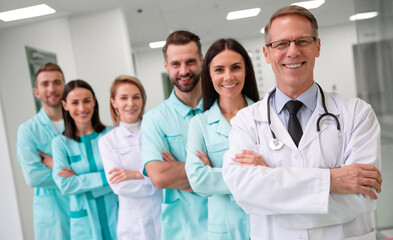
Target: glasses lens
301,43
280,44
304,42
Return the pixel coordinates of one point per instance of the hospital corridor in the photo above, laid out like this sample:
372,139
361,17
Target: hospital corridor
349,52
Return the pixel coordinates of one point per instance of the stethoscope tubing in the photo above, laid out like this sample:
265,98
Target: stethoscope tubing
327,113
275,144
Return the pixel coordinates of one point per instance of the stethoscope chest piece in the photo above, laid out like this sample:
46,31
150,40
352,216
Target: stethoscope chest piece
275,144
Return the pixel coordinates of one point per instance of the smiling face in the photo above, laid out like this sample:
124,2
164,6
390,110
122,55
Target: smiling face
80,104
183,64
128,103
228,73
49,88
293,67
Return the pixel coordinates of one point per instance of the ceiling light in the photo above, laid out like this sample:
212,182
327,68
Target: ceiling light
310,4
361,16
27,12
263,30
157,44
243,13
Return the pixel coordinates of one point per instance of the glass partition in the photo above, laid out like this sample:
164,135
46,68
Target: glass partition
373,57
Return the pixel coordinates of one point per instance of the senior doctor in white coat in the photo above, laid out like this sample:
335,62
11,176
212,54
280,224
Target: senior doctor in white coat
120,149
300,185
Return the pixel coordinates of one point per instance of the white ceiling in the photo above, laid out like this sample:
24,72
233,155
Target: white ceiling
206,18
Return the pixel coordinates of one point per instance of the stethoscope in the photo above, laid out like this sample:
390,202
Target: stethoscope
275,144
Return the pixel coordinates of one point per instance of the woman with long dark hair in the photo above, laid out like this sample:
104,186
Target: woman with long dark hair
139,200
77,166
228,85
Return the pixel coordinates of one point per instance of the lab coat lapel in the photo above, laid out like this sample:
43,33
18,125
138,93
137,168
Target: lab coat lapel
310,133
280,131
276,125
223,127
123,131
215,116
48,124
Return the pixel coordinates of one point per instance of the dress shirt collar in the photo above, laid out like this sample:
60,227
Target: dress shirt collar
308,98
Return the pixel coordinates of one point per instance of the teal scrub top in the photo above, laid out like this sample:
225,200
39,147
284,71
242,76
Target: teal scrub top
50,208
93,205
208,132
165,128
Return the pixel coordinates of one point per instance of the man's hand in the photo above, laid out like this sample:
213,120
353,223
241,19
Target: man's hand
356,178
250,158
46,160
167,156
169,173
187,189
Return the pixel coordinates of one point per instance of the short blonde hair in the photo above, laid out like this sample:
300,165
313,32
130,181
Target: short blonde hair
125,79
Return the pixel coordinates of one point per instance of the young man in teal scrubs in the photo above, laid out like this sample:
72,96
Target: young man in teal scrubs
50,207
164,136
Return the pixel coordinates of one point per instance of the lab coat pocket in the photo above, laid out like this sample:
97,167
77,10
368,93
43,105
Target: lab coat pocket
368,236
177,147
216,152
217,232
44,215
171,211
75,159
80,225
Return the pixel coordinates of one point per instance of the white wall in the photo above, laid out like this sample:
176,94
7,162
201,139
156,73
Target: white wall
102,52
150,65
334,67
336,64
16,91
10,225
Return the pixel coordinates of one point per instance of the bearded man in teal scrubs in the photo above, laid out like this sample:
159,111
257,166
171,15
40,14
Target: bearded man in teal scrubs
50,207
164,136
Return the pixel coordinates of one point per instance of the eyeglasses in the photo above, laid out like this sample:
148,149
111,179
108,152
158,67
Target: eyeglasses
284,44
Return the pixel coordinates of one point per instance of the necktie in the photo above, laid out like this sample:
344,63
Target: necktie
294,127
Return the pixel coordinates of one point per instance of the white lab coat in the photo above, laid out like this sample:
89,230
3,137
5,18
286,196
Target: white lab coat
291,199
139,200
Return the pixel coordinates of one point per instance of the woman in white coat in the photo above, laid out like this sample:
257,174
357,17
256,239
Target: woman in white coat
120,149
